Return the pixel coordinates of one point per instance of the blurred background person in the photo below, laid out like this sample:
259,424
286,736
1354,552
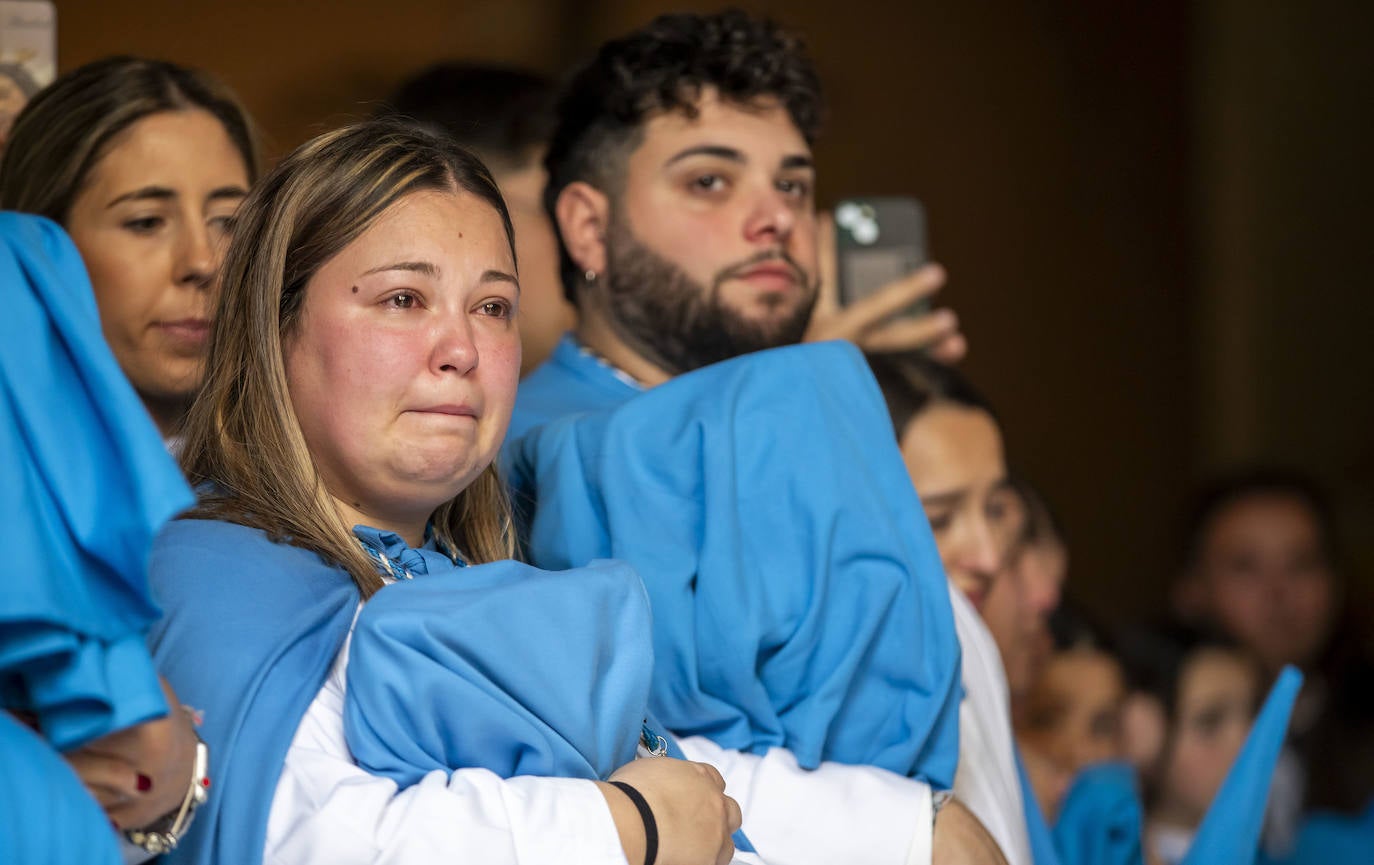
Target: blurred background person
1070,718
1020,602
1208,690
143,163
1261,565
505,116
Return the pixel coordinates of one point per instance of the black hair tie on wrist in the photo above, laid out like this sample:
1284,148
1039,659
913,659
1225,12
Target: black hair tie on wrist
647,815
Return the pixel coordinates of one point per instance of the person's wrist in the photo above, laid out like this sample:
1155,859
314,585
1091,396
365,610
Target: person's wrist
162,835
646,816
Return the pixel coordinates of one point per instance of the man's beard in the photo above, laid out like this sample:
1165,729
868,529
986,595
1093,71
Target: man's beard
676,322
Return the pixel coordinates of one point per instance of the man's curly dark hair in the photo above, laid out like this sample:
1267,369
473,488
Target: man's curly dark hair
664,66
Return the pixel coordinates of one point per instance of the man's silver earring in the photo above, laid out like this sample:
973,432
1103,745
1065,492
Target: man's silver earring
590,276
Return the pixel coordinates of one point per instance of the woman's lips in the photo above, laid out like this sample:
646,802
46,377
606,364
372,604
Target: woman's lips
455,411
187,331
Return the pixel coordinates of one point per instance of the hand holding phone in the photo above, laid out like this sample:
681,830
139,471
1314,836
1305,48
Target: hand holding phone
875,284
878,241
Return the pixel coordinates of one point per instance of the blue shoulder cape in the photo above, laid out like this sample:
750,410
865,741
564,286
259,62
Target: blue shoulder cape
798,597
249,631
86,484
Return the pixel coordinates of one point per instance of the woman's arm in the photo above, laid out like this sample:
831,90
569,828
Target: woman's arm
326,809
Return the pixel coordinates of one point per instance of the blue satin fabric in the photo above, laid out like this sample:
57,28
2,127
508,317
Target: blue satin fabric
1230,833
1101,821
88,482
798,597
84,484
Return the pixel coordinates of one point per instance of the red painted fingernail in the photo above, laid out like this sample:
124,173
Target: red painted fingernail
144,783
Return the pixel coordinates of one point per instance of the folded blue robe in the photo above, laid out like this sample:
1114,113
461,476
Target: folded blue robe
797,593
503,667
86,482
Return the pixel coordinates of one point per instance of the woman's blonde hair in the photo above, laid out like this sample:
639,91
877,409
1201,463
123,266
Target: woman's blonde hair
242,441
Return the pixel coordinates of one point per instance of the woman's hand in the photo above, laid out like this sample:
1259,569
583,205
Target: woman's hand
695,818
140,773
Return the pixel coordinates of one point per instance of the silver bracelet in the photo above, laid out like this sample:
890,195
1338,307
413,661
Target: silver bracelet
162,835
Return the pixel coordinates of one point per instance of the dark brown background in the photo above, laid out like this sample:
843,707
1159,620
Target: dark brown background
1153,213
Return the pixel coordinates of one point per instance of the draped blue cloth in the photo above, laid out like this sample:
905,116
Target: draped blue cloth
84,483
798,597
45,814
1230,832
499,666
503,667
88,482
1101,821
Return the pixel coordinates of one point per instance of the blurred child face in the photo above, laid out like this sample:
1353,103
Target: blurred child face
1018,608
1267,578
1217,694
955,459
1072,715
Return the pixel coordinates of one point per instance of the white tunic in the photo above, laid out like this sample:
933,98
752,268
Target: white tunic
986,779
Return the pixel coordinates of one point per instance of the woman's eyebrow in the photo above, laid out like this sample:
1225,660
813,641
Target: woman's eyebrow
144,193
942,499
422,267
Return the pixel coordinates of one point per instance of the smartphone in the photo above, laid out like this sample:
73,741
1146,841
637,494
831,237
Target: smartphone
878,240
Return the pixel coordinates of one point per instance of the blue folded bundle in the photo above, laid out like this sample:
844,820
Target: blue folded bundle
797,593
